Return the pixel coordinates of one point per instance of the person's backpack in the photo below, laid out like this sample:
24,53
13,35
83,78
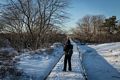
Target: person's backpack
68,49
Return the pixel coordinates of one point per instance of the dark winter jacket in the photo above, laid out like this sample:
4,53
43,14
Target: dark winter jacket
68,48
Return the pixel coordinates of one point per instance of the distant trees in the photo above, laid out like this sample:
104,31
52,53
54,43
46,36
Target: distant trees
110,24
33,20
97,28
88,26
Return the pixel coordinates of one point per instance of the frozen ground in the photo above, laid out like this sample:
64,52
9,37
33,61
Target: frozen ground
75,74
102,62
36,65
111,52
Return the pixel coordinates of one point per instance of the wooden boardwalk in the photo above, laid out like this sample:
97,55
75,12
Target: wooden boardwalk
75,74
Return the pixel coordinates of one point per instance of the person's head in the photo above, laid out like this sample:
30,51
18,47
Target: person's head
68,41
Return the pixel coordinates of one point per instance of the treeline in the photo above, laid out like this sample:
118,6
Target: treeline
97,29
32,23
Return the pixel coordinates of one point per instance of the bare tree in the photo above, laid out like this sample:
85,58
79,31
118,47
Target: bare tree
89,26
85,26
34,18
97,21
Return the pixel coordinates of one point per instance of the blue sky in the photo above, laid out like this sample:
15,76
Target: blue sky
80,8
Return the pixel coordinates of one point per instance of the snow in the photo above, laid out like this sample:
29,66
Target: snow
38,64
111,53
33,65
8,51
102,61
75,74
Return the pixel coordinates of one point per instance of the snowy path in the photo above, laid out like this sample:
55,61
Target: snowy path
96,66
75,74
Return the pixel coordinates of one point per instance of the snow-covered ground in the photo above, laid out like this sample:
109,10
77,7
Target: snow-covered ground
111,52
75,74
102,61
36,65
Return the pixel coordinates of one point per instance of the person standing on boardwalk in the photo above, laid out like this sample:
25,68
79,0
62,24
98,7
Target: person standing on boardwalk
68,49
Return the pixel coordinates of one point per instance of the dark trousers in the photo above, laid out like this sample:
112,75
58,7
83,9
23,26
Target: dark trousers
67,59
